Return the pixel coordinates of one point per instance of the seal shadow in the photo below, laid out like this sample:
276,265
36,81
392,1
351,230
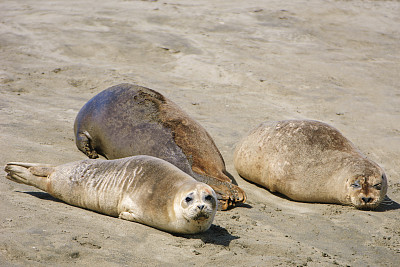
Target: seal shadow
242,205
387,204
41,195
216,235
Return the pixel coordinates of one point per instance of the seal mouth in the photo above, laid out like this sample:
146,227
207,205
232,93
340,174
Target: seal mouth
201,216
367,206
363,207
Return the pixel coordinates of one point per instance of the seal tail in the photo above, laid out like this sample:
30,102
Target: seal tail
34,174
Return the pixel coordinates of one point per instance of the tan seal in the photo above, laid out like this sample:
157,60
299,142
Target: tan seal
142,189
128,120
310,161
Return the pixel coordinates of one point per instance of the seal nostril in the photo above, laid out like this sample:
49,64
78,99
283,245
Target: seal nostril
367,199
201,207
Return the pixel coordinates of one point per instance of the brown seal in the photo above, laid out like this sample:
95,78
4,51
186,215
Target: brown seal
127,120
310,161
143,189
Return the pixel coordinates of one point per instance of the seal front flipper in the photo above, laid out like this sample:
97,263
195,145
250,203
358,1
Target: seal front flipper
228,194
127,215
33,174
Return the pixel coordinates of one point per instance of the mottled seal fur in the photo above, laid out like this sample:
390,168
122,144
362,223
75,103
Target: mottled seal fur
143,189
127,120
310,161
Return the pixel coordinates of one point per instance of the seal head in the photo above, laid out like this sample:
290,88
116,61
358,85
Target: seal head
196,208
367,189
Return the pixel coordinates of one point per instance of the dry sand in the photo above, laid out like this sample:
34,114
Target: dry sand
230,65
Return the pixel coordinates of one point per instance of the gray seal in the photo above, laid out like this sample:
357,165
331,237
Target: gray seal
128,120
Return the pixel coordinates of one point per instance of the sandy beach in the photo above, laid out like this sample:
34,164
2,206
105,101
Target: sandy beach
229,64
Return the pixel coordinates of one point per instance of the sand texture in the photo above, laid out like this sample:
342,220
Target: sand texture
231,65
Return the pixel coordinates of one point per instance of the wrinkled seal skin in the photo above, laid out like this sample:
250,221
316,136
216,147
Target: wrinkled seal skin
143,189
310,161
127,120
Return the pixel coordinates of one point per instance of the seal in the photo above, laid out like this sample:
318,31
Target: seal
310,161
142,189
128,120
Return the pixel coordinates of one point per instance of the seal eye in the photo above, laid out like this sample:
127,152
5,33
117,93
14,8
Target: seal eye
356,184
188,199
208,197
378,186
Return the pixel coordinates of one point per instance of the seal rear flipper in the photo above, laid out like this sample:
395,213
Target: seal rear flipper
28,165
33,174
84,144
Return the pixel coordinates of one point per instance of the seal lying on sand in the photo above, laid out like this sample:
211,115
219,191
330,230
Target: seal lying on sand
142,189
128,120
310,161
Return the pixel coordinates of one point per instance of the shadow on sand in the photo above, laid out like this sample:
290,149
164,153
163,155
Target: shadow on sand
41,195
388,204
216,235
